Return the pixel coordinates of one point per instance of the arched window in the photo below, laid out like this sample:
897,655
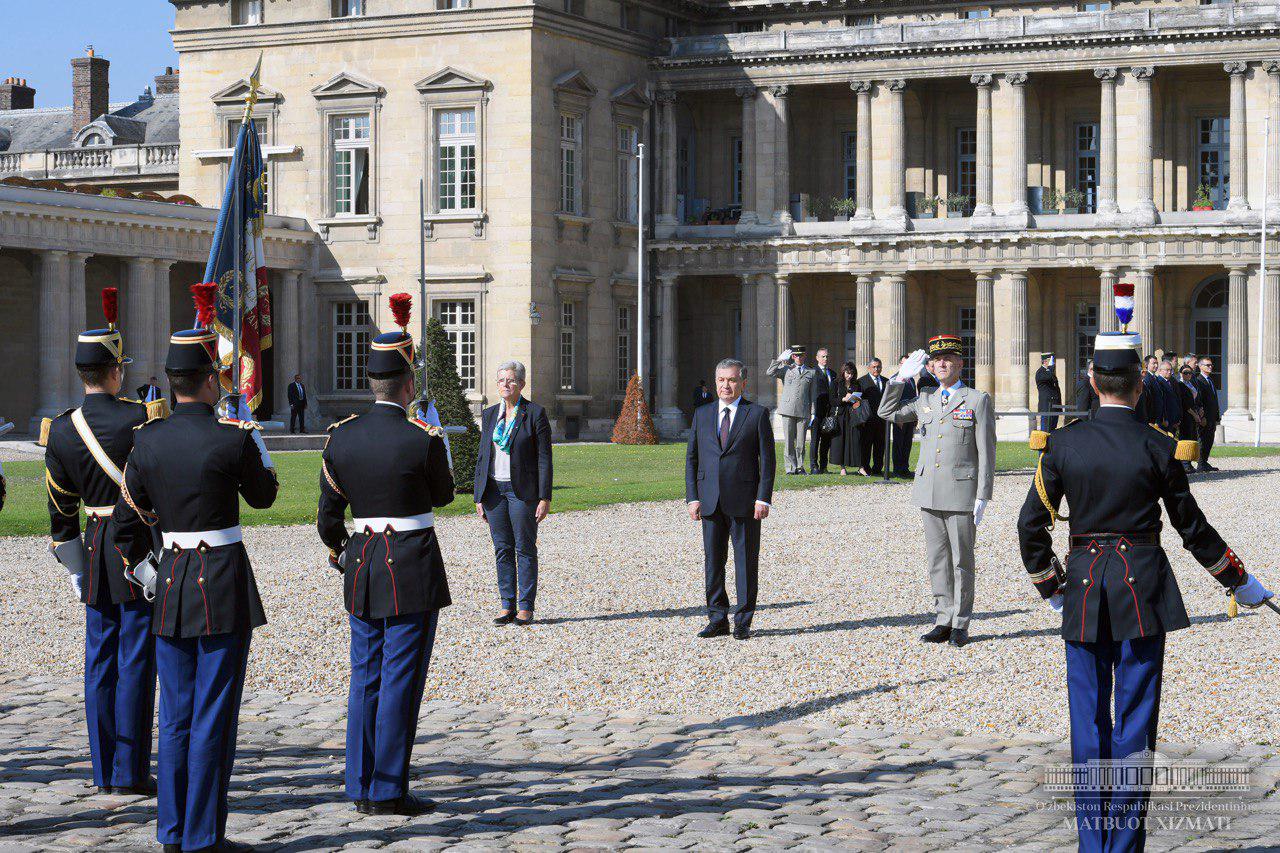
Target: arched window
93,139
1212,294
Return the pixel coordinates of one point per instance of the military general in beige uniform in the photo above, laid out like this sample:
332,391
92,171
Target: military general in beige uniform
954,475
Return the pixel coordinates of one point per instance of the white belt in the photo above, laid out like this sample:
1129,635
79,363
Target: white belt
99,511
413,522
194,539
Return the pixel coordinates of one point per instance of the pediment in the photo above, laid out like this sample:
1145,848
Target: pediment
450,79
630,95
346,85
238,91
574,82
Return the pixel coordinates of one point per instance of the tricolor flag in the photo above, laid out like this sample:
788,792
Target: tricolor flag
1124,302
240,222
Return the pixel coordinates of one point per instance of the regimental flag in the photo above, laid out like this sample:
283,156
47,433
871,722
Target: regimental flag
241,220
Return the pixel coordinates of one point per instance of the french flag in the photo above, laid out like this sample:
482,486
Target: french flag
1124,302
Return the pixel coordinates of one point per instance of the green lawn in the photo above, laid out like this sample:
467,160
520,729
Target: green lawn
587,476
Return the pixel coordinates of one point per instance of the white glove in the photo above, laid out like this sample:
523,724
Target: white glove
911,368
262,448
1055,602
979,507
1252,593
785,355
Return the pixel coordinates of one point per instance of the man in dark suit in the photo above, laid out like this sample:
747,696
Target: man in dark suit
1212,412
1048,392
728,475
873,385
823,381
1086,399
150,392
297,404
702,395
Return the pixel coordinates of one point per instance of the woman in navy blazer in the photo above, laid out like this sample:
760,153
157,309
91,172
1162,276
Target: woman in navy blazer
513,489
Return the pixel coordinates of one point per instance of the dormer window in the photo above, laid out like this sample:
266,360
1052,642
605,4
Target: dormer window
93,139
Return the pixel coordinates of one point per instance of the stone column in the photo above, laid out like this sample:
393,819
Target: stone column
1018,367
667,109
897,285
984,338
78,316
781,157
139,317
864,345
897,151
786,335
748,96
1238,338
767,338
1107,143
1106,301
1271,355
1273,167
1239,130
1017,82
863,166
982,203
286,335
1144,311
54,285
163,323
1146,205
765,143
668,411
750,328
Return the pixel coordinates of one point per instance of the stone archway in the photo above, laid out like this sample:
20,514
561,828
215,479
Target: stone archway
1208,332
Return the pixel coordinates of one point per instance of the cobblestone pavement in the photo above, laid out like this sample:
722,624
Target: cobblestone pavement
593,781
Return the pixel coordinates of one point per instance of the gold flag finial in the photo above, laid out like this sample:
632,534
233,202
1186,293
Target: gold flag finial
255,83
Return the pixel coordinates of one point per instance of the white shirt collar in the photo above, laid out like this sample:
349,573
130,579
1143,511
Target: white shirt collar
731,406
1115,406
389,403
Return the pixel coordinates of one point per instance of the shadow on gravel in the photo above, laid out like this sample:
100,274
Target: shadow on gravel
1054,631
920,619
1215,476
663,613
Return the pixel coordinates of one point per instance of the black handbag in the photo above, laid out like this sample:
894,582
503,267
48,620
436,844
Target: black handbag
830,426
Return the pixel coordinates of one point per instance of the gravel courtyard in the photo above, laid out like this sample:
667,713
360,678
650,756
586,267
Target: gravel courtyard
844,596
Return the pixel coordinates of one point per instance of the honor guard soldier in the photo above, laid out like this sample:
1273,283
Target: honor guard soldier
392,470
86,449
1117,593
185,479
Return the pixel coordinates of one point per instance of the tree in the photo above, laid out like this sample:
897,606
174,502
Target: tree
444,386
634,424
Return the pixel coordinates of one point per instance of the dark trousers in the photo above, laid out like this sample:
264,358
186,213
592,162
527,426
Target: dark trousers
1207,435
298,415
873,445
1112,818
901,449
718,530
514,530
201,683
119,691
819,444
389,660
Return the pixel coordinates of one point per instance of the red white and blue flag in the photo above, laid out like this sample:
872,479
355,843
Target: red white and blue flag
241,222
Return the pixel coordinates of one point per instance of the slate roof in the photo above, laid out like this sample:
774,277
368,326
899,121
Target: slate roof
152,121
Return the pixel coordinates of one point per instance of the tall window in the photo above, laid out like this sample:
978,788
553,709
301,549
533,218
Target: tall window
348,8
849,157
351,336
684,169
735,147
967,321
575,7
624,349
1086,331
628,171
1215,159
350,146
629,17
850,334
1087,165
246,11
1209,328
260,128
453,4
456,160
570,164
458,317
568,346
967,165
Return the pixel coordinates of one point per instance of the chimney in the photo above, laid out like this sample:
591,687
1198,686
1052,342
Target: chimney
15,94
167,83
89,89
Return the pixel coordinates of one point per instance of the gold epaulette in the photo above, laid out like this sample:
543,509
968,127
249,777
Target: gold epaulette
131,400
240,424
333,426
1039,439
1187,450
158,409
45,425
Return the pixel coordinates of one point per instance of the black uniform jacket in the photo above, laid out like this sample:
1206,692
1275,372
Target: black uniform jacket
187,474
385,466
1049,392
1114,470
73,476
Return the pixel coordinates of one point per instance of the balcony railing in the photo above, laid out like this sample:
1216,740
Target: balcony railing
95,162
916,33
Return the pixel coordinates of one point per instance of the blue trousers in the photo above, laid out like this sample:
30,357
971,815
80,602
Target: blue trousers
389,659
514,529
1112,818
201,682
718,530
119,691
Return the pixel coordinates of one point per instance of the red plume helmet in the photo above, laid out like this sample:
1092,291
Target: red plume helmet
401,307
111,305
205,296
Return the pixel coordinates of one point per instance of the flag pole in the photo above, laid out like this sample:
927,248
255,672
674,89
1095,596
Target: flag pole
640,270
237,199
422,290
1262,281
